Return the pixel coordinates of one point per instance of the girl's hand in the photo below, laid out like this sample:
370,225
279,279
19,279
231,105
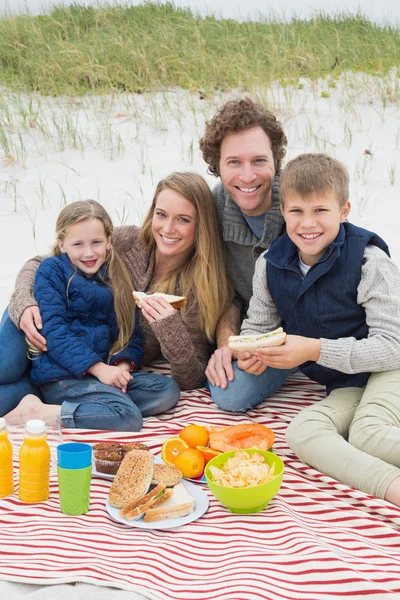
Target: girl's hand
294,352
156,308
250,363
110,375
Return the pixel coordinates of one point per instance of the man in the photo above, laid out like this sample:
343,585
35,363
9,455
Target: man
244,145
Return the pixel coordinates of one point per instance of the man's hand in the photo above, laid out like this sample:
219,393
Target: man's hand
295,351
250,363
110,375
156,308
29,323
219,369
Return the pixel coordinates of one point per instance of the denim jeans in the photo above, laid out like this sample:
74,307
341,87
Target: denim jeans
89,404
14,366
247,391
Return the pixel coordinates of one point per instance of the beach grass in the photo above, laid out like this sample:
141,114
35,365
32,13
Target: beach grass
75,50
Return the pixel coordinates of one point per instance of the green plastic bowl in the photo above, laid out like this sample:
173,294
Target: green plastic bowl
251,499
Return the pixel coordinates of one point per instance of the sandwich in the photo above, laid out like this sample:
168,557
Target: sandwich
133,478
167,474
136,509
175,301
180,504
249,343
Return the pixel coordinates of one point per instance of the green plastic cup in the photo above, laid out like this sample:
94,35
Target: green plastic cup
74,489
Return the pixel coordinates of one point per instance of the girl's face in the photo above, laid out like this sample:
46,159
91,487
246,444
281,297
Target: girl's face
86,244
174,225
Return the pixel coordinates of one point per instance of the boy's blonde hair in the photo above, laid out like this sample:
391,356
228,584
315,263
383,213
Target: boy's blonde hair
203,274
117,274
309,174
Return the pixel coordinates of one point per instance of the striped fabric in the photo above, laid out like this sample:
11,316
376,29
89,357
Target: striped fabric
317,539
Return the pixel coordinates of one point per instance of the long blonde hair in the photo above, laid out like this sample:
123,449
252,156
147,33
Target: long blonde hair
117,274
203,276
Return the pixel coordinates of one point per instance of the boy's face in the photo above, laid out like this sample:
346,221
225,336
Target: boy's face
247,170
313,223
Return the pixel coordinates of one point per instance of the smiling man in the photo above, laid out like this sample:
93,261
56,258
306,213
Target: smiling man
244,145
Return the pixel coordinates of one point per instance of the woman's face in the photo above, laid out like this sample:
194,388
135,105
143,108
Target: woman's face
174,225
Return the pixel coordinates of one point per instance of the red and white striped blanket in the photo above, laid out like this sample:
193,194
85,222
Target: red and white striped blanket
317,539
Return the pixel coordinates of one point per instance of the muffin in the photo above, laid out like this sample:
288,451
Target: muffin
109,455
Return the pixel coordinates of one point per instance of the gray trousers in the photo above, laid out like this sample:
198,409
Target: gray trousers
354,434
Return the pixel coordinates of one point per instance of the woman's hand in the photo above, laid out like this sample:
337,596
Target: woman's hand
156,308
29,323
110,375
294,352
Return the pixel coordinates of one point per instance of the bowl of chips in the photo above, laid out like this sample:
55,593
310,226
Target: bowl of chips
245,480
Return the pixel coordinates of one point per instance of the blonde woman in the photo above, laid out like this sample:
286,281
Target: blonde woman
94,343
178,250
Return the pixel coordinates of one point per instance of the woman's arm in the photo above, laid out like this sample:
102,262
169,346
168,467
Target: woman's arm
23,297
379,293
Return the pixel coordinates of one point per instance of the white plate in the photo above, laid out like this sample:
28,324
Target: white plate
201,505
157,460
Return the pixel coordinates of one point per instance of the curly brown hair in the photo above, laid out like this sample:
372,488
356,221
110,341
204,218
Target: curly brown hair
236,116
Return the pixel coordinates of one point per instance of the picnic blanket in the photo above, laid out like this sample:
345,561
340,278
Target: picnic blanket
317,538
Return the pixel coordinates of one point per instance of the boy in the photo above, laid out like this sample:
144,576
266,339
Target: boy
334,289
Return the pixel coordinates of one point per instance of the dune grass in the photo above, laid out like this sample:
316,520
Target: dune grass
75,49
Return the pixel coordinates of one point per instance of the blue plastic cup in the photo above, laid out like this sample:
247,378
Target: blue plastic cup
74,455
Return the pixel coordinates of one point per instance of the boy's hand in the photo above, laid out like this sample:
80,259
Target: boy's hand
250,363
109,375
295,351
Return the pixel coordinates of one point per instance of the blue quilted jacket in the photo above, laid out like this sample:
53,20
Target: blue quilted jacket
79,325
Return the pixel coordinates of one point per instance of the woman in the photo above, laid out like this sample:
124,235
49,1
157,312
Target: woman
177,251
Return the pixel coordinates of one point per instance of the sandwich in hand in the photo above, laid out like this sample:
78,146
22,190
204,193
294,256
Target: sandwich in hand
249,343
136,509
175,301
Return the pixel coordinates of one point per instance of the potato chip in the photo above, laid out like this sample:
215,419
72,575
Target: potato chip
243,470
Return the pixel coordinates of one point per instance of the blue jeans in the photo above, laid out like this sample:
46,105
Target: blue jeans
247,391
89,404
14,366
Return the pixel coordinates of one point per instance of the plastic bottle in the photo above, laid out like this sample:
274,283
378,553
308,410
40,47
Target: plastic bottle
34,464
6,462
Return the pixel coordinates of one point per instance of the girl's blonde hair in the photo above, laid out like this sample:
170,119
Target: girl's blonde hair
117,274
202,276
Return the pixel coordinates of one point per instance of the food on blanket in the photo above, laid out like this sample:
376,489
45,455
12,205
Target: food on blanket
133,478
136,509
169,475
243,470
175,301
246,435
208,453
190,462
195,435
180,504
108,455
249,343
171,448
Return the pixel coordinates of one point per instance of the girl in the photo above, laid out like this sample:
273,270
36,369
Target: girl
177,251
84,294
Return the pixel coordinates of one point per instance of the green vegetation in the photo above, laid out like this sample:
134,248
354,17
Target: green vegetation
75,49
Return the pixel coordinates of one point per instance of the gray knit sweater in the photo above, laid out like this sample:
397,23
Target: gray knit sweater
242,247
378,292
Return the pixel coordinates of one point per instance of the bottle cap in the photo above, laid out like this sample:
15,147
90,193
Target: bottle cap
35,426
2,423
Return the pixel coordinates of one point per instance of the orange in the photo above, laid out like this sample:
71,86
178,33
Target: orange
190,462
171,448
207,453
195,435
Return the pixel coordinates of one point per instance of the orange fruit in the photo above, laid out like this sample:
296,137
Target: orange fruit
171,448
195,435
190,462
208,453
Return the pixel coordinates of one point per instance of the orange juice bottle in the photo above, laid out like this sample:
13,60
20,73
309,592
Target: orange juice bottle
6,462
34,464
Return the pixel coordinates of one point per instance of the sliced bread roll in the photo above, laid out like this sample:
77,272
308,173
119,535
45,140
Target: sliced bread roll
133,478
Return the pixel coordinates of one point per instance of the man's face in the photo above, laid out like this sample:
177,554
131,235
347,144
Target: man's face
247,170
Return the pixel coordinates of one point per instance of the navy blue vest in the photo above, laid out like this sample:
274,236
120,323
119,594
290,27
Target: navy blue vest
323,304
